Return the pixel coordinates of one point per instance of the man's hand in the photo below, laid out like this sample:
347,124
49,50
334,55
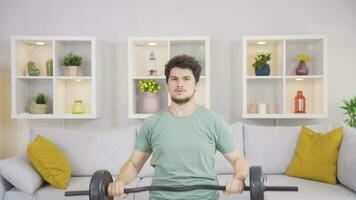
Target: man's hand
234,185
116,189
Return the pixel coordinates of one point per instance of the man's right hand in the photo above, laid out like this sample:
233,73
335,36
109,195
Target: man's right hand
116,189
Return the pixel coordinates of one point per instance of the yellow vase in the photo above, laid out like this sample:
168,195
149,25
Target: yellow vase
78,107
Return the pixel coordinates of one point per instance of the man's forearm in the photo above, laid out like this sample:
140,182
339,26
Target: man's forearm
127,173
241,168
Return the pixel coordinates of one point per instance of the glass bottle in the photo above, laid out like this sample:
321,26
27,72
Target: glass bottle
78,107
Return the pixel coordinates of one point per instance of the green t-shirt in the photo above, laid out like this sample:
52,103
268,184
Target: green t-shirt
183,151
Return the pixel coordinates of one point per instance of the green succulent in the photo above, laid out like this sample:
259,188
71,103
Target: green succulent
261,60
150,86
350,108
72,60
41,99
31,64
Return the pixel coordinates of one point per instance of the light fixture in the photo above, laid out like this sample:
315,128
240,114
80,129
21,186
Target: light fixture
40,43
152,43
299,79
261,42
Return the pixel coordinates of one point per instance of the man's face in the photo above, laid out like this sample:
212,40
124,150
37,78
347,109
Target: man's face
181,85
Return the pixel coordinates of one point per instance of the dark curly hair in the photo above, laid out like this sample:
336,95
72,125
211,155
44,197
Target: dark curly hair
185,62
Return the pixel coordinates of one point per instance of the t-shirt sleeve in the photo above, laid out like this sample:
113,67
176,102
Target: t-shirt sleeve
143,143
225,143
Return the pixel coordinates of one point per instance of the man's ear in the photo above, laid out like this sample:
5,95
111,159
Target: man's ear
197,85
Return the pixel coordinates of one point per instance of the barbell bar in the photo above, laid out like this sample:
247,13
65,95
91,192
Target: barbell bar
102,178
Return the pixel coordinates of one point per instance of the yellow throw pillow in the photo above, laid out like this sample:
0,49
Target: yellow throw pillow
49,162
316,155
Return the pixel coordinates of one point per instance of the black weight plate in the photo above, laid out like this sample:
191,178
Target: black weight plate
98,185
256,183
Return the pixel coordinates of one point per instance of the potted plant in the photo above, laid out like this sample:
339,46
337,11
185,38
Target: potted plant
151,101
32,69
302,68
40,106
350,108
49,67
261,66
72,63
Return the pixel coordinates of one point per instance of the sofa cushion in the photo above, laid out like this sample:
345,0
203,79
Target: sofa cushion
308,190
48,192
15,169
316,155
273,147
346,166
16,194
222,166
88,151
49,162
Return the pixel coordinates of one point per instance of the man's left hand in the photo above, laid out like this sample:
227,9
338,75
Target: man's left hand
234,185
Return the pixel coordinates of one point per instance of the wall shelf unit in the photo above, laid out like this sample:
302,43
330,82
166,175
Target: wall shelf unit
60,90
163,48
277,91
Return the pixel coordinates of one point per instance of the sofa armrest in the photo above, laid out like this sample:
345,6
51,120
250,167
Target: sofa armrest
346,164
4,186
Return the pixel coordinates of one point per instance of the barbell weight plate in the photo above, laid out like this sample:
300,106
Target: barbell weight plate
98,185
256,183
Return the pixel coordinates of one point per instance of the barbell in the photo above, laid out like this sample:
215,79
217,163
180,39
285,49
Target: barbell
101,179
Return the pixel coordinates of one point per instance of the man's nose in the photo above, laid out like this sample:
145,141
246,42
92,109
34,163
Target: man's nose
180,83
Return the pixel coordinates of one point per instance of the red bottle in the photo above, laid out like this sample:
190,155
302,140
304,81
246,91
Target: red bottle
299,102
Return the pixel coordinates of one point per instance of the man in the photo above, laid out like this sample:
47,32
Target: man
183,140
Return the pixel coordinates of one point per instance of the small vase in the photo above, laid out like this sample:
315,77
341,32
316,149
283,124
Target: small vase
33,72
72,70
151,103
49,67
78,107
302,68
264,71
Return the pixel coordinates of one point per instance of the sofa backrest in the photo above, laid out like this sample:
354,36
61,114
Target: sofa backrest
88,151
273,147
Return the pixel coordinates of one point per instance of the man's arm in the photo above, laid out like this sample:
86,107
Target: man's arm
127,173
241,171
132,166
239,163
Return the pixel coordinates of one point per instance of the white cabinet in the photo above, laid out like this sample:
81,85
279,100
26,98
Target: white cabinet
277,91
140,49
61,90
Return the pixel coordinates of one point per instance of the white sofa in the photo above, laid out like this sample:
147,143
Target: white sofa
270,147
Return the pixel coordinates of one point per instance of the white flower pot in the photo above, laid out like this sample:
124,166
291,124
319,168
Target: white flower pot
72,70
151,103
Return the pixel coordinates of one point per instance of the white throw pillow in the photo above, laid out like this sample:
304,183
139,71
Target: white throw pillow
20,173
346,164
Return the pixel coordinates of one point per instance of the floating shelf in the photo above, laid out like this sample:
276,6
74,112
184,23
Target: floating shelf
61,90
164,48
280,87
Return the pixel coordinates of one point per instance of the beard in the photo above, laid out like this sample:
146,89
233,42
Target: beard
182,101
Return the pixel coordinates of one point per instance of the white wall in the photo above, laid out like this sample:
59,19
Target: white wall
112,21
